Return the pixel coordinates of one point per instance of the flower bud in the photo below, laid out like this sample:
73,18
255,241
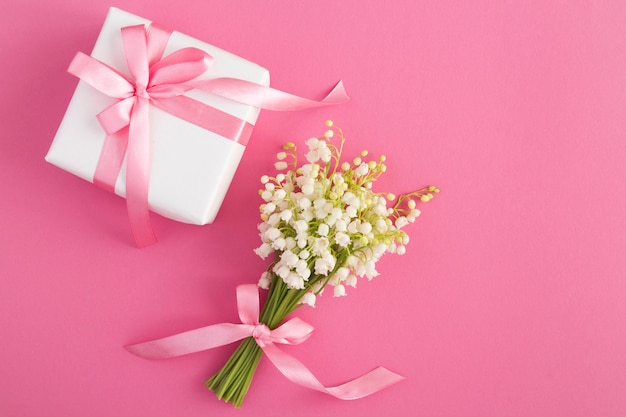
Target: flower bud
280,165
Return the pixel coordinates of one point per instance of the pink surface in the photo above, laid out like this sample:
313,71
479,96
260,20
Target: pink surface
511,299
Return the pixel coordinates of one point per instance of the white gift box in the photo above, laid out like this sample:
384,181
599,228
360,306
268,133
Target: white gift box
191,168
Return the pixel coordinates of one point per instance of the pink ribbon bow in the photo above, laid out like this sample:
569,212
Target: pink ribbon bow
163,82
292,332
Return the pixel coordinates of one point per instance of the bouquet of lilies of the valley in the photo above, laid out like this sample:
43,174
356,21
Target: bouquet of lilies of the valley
323,225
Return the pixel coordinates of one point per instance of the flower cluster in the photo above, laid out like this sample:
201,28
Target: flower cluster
324,223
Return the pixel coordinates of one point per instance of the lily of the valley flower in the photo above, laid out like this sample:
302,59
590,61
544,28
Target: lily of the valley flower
324,222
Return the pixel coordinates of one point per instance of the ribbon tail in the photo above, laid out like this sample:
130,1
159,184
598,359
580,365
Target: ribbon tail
360,387
338,94
111,159
268,98
138,174
191,341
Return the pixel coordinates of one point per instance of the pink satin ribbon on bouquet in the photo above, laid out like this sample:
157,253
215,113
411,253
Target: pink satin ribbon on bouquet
292,332
163,82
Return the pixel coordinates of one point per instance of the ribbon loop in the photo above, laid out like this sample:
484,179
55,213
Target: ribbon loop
248,305
292,332
180,66
100,76
135,44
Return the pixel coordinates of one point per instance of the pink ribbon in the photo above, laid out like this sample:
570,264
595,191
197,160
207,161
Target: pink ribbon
292,332
163,82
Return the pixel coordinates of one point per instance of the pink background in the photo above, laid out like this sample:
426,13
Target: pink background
511,299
